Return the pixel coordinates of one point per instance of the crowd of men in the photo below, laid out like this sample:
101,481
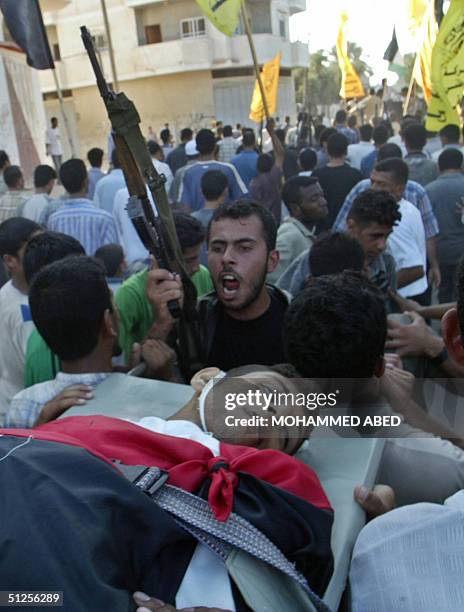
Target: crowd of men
300,255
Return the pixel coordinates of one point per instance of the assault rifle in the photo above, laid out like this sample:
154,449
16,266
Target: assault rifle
157,232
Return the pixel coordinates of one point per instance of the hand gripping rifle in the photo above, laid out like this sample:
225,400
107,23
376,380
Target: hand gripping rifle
157,233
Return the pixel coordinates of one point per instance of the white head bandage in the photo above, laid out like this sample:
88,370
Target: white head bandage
203,395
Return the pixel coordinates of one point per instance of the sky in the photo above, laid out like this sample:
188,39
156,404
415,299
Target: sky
370,26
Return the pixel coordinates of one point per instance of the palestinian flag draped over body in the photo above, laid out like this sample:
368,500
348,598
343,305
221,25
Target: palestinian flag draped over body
25,23
224,14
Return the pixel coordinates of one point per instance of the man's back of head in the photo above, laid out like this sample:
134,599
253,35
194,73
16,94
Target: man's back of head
249,140
450,134
227,131
154,148
213,185
389,150
14,233
13,177
73,176
186,134
380,135
415,137
335,252
307,159
326,133
44,178
71,327
450,159
340,117
365,132
112,257
336,327
337,146
45,248
206,142
95,157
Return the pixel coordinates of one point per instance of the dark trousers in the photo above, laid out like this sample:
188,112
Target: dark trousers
447,288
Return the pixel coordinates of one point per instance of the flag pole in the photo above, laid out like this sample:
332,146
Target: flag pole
110,46
65,118
246,21
411,83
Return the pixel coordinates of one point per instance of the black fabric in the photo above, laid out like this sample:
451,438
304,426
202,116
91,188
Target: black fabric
72,523
25,23
299,529
236,343
336,184
392,49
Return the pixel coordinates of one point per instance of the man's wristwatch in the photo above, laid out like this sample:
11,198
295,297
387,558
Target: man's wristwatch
440,358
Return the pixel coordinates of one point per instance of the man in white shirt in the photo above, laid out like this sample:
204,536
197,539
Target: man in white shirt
109,185
161,167
356,152
53,144
449,137
15,320
407,241
35,207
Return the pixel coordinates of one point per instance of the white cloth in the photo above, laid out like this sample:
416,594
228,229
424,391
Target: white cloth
398,141
127,236
53,140
356,153
15,326
206,581
163,168
34,207
411,559
408,247
305,173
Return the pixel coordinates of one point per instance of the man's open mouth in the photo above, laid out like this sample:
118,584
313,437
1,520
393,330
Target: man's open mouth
230,285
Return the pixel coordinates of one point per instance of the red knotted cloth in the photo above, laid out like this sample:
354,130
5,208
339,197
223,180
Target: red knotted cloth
189,463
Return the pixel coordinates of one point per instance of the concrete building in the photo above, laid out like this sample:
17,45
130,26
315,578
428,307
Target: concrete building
171,61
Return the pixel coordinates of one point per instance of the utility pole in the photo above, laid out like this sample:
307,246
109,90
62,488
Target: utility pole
110,45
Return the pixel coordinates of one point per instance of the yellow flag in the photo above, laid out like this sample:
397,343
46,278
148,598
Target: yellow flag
351,83
270,80
224,14
422,70
447,69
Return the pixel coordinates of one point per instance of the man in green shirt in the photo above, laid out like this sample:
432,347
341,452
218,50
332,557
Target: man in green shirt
135,309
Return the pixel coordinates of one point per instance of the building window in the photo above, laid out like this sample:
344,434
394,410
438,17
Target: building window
153,34
56,52
282,25
194,27
99,41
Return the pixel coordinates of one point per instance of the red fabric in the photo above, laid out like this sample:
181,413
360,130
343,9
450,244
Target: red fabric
189,463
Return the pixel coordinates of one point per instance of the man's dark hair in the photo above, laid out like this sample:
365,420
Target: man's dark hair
111,256
308,159
12,175
340,116
165,135
380,135
335,252
366,131
95,157
372,206
388,151
291,192
68,299
227,131
397,167
326,134
249,139
153,147
352,121
242,209
43,174
115,159
206,141
450,159
73,175
14,233
406,121
213,183
337,145
451,132
3,159
336,327
264,162
186,134
189,230
45,248
415,136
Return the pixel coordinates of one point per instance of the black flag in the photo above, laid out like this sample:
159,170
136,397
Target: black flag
392,48
24,20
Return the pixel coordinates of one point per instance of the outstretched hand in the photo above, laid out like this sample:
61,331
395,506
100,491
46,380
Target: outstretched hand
77,395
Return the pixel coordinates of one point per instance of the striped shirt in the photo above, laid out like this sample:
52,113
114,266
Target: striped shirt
90,225
413,193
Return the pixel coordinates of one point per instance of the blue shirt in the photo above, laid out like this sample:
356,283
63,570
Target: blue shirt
368,163
190,192
107,188
245,162
94,174
90,225
413,193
